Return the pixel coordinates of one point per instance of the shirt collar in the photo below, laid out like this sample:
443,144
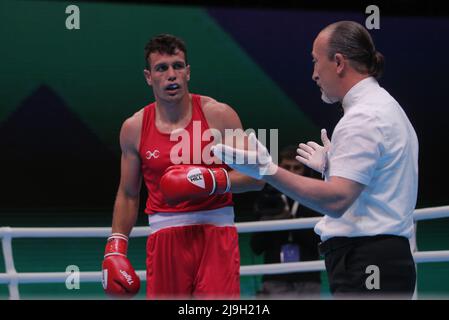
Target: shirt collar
359,90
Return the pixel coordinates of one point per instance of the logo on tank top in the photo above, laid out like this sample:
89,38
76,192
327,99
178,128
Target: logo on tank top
196,177
155,154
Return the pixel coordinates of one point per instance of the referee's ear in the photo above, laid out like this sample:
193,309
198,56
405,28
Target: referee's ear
340,62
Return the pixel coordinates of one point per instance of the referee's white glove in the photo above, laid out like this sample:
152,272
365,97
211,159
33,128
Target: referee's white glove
255,162
313,155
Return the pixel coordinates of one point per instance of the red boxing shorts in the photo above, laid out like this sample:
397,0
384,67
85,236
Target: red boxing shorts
193,254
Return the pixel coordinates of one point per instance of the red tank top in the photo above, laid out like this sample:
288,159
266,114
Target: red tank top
155,148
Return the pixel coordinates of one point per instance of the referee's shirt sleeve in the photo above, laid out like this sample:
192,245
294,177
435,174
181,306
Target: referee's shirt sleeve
356,147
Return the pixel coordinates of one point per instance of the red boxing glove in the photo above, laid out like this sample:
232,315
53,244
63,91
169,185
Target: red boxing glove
119,277
182,182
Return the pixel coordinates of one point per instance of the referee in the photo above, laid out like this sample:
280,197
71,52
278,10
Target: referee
371,174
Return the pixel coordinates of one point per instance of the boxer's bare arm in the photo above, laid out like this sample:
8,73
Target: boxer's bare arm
126,205
220,116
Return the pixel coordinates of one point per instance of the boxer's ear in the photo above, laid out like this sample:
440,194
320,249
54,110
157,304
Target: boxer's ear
188,72
147,75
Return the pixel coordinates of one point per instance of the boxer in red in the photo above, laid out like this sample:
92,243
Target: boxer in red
192,250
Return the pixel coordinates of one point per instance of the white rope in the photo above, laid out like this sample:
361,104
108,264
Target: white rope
12,278
431,256
11,274
242,227
275,225
278,268
274,268
431,213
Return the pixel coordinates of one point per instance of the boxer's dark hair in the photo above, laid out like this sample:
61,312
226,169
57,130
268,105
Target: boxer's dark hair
164,44
353,41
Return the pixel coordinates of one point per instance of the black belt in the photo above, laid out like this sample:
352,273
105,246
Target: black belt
340,242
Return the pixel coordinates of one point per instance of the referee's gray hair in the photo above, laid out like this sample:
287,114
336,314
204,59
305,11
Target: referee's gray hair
354,42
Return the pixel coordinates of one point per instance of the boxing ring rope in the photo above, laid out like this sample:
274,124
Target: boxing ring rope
13,278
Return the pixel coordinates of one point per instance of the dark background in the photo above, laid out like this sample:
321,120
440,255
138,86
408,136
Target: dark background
65,93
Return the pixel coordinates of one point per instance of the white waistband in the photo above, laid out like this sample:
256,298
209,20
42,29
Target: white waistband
218,217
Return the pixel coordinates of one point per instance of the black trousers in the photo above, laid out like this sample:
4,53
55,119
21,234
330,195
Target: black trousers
379,266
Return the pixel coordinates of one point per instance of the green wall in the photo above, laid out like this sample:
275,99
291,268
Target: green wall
98,69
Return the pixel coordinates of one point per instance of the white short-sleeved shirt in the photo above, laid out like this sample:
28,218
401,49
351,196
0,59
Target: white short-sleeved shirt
374,144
